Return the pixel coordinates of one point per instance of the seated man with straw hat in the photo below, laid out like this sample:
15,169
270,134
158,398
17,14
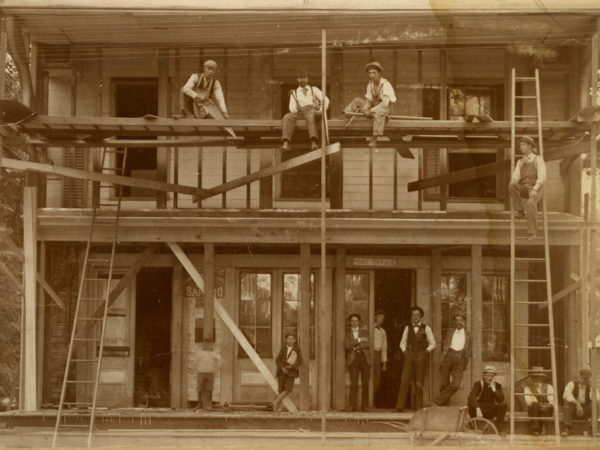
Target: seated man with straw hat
486,394
377,102
539,396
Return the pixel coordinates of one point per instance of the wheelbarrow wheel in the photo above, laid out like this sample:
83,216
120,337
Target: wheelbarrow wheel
480,425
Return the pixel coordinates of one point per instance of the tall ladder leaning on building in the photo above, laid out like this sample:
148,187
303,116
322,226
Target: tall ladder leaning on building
519,350
84,356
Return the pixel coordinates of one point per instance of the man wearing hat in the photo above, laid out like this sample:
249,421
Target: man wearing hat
486,394
577,400
358,361
198,96
417,343
455,357
306,102
526,186
376,104
539,396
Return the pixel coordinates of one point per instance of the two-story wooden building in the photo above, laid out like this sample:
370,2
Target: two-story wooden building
92,73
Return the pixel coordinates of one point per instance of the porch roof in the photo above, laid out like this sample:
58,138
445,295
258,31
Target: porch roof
299,226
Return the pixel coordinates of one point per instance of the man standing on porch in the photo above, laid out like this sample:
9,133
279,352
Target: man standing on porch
198,96
288,360
455,357
527,184
308,103
376,104
379,349
416,344
358,361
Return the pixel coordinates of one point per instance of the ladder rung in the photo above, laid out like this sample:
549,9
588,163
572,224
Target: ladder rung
533,370
77,403
525,78
69,425
80,381
84,360
523,116
89,318
519,258
87,339
531,325
525,96
92,299
530,303
98,259
96,279
118,151
532,347
529,280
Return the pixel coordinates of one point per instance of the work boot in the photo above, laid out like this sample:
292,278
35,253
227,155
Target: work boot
314,144
285,145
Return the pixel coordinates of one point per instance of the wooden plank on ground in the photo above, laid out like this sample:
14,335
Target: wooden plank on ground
269,171
102,177
230,324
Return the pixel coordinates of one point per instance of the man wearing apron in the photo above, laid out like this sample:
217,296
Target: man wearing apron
198,96
376,103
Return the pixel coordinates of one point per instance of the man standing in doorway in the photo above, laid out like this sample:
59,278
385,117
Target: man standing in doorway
379,350
455,357
198,96
527,184
308,103
358,361
377,102
288,361
417,342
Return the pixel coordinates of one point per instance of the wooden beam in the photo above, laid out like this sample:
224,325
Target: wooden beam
102,177
29,389
487,169
436,314
230,324
268,171
209,288
339,372
476,319
304,325
179,326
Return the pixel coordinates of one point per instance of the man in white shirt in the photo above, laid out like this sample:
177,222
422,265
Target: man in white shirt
527,184
539,396
417,343
379,349
208,362
198,96
455,357
306,102
377,102
577,401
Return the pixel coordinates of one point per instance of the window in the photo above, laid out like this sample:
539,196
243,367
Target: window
291,308
255,312
453,293
356,296
136,98
495,338
484,187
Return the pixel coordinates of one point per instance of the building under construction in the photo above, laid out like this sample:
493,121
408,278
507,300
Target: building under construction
164,233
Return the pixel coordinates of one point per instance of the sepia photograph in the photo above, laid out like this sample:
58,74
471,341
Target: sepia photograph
299,223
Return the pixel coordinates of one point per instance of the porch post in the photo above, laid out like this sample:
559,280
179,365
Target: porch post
476,311
435,320
339,373
304,326
209,292
28,334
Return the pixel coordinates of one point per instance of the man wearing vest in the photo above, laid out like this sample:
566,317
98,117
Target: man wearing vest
416,344
539,397
486,394
358,361
306,102
577,401
455,357
288,360
198,96
376,104
527,184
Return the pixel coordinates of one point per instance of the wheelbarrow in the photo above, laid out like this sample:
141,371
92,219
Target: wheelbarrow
444,421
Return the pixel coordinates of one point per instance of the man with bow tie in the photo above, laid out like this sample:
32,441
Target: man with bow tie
577,401
306,102
377,101
288,360
417,343
358,361
455,357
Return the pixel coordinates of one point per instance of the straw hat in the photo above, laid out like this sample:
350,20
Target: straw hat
374,65
490,369
537,371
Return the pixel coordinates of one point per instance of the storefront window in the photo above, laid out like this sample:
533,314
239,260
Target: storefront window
357,296
453,294
495,296
255,312
291,307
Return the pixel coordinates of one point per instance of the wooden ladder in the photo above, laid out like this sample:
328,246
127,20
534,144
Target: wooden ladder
84,356
520,347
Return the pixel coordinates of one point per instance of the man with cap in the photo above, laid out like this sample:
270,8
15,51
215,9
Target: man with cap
527,184
486,394
379,349
417,343
376,104
455,357
306,102
358,361
539,396
577,400
198,96
288,361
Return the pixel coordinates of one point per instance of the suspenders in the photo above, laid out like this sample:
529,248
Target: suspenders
315,100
